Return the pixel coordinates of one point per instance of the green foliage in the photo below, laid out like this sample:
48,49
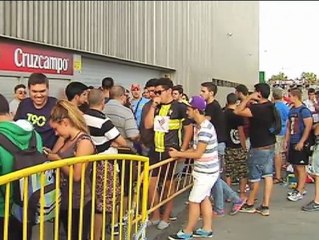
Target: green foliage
278,77
309,77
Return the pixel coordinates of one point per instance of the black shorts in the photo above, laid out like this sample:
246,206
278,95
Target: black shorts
298,157
156,157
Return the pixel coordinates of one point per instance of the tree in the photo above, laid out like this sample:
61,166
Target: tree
278,77
309,78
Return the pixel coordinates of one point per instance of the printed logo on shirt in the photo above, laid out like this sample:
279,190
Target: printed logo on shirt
234,136
36,120
294,127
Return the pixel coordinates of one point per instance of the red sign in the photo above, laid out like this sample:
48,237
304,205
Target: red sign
26,58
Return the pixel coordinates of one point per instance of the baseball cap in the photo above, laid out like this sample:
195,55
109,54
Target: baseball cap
135,86
197,102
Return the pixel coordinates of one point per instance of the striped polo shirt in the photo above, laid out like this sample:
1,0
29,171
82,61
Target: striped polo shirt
102,130
209,162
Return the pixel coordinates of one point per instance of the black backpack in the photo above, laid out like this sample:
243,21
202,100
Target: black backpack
276,124
24,158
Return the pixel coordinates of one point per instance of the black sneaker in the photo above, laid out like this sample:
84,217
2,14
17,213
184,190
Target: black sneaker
247,208
263,210
181,236
311,207
172,218
116,230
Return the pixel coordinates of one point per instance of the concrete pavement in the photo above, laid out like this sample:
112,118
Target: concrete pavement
286,220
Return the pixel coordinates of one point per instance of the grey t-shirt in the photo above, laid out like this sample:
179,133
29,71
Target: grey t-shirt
13,106
122,118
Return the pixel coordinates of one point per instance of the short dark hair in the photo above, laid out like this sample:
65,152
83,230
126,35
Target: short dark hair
263,88
311,90
231,98
19,86
210,86
296,92
242,89
107,83
165,82
178,88
4,105
73,89
38,78
187,98
151,82
117,91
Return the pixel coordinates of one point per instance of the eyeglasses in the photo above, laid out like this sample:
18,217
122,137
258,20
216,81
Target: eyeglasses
159,92
22,92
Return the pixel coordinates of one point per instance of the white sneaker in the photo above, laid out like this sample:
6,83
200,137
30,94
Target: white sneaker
295,196
152,223
304,192
162,225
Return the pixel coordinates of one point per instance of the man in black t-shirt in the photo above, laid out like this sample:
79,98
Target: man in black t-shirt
261,153
236,151
215,115
37,108
167,118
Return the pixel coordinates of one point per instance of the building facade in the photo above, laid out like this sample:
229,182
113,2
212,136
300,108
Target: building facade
131,41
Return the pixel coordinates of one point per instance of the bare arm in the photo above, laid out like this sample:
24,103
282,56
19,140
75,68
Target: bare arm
242,109
149,118
120,141
188,134
242,137
308,126
84,148
191,153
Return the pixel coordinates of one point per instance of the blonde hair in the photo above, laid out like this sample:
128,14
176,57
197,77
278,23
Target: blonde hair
64,109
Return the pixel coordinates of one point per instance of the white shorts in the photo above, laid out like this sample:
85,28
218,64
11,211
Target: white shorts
203,184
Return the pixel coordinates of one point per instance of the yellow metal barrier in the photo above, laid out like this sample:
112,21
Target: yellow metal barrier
128,210
178,181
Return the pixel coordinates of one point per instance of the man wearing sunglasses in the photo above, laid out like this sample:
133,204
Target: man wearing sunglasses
20,93
167,118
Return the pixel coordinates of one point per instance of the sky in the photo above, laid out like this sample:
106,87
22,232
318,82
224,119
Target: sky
289,37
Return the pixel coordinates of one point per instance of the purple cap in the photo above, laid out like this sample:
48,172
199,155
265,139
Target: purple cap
197,102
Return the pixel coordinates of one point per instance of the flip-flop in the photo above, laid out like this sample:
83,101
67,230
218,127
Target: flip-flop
278,180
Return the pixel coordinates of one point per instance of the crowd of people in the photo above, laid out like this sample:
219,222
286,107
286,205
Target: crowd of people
226,144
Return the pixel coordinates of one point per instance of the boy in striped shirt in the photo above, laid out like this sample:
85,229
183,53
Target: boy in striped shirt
205,172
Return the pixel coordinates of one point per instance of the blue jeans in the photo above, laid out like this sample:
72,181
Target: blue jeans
221,155
220,190
220,187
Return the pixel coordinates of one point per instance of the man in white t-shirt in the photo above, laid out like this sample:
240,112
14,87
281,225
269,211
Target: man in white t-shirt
20,93
312,104
205,172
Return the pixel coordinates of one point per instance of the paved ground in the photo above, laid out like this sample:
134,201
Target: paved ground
286,221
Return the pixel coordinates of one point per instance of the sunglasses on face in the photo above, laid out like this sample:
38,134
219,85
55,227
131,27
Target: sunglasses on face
22,92
159,92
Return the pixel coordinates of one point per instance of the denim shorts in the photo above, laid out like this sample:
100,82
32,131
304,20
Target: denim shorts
260,163
315,161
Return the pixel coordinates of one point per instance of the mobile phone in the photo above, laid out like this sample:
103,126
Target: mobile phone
45,151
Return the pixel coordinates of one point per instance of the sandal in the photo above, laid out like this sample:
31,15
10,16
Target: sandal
278,180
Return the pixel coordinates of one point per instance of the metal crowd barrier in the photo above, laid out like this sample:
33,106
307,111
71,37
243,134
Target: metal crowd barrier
180,181
132,217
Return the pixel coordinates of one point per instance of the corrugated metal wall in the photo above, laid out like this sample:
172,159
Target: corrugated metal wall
174,34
